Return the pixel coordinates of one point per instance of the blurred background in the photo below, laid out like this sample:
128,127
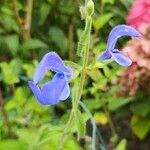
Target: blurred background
118,98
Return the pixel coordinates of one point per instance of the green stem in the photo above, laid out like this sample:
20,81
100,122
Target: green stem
85,63
62,139
82,79
85,37
79,93
77,98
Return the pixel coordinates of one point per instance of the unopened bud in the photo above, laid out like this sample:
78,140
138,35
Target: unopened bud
83,12
90,7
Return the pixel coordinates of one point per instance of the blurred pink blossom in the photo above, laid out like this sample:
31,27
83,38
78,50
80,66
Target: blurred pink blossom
139,13
138,74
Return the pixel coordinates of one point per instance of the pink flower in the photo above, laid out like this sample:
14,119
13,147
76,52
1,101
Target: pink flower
138,74
139,13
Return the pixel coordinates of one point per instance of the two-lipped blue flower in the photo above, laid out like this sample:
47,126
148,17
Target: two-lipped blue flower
57,89
118,56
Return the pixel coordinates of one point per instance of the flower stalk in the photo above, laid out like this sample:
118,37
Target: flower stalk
83,52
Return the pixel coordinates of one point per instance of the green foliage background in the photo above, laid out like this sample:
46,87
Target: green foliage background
55,25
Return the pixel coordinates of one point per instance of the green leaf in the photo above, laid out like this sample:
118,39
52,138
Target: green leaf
80,124
46,137
10,71
75,67
114,139
43,12
58,37
141,108
28,135
116,102
107,1
93,103
30,68
33,44
72,64
100,21
13,145
122,145
9,23
18,99
66,7
140,126
6,10
12,42
75,89
95,75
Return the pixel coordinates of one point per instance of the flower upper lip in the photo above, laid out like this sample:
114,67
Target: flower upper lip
117,32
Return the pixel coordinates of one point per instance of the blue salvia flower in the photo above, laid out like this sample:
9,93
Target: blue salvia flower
117,32
57,89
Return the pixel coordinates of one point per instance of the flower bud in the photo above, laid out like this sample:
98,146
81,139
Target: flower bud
90,7
83,12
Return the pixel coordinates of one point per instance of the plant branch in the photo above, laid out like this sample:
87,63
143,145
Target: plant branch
75,102
85,63
6,118
18,19
28,18
111,124
25,26
24,23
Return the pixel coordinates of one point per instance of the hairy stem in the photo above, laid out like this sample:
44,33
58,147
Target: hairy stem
78,95
85,62
82,79
85,37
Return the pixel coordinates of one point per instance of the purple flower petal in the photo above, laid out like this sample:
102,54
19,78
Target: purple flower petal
120,58
117,32
51,91
105,55
52,62
36,91
65,93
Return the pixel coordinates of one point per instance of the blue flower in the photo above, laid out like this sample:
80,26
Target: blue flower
117,32
57,89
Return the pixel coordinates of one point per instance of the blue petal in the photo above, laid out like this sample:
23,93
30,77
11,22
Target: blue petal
52,62
105,55
117,32
36,91
120,58
52,90
65,93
